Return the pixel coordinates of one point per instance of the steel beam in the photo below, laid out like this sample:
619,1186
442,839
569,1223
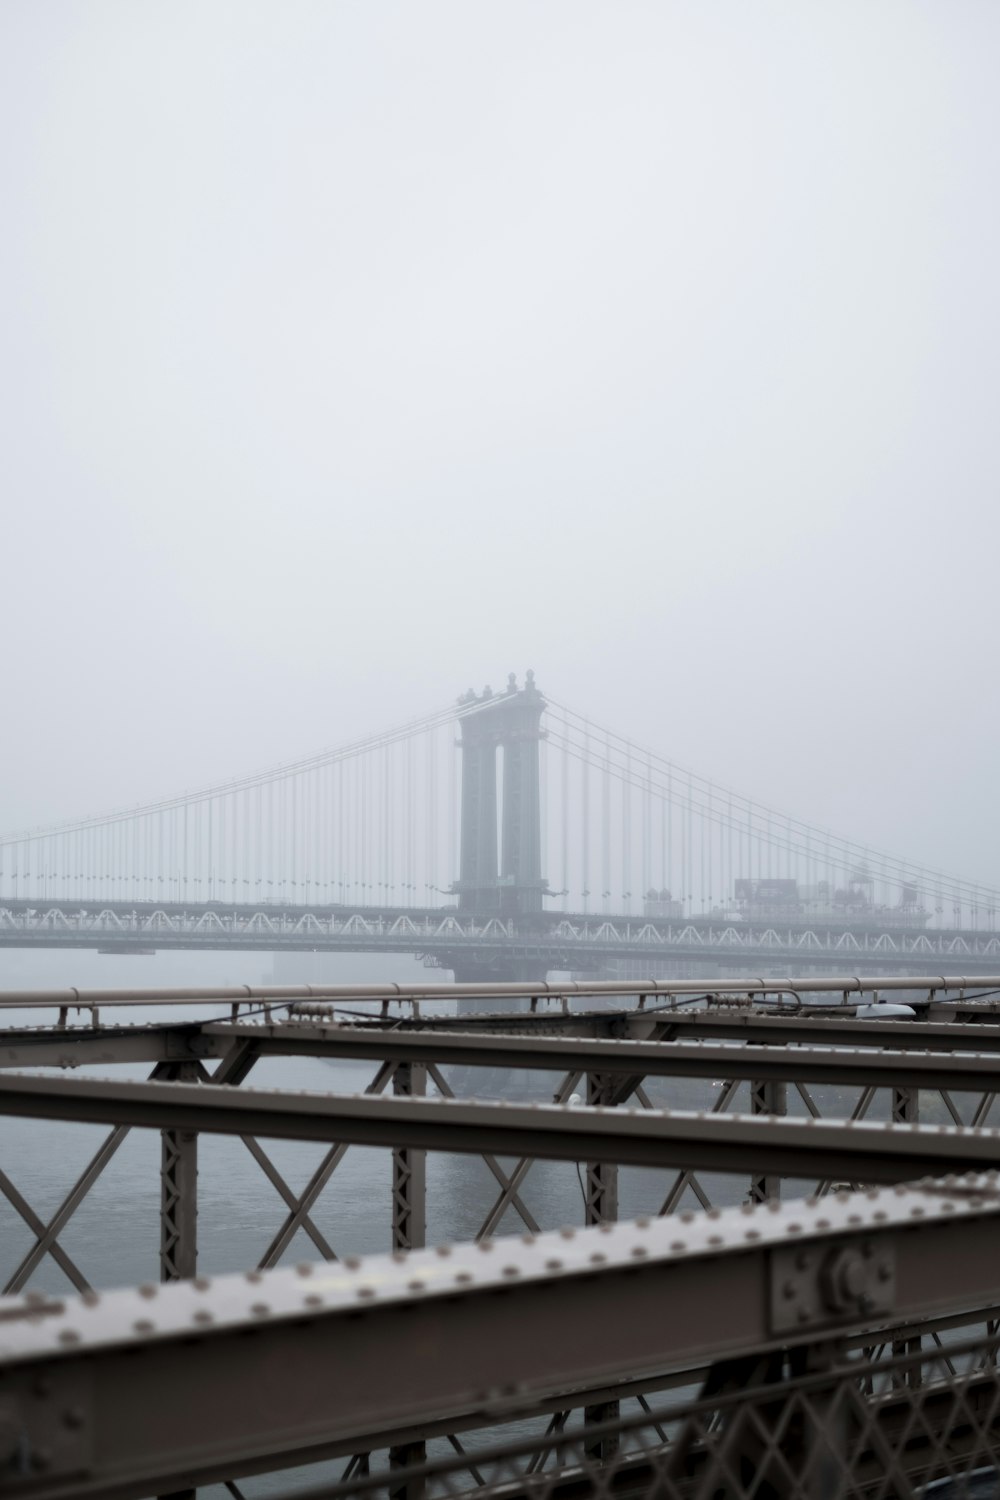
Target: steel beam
815,1058
747,1025
198,1380
867,1152
76,1047
836,1052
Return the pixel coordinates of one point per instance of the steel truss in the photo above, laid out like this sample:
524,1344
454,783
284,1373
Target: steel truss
855,1301
550,941
373,1355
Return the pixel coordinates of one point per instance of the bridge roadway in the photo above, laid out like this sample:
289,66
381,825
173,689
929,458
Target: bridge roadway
523,947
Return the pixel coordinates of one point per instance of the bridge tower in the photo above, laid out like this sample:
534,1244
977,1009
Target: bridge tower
500,871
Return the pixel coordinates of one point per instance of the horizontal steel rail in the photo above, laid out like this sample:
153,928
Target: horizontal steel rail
845,985
833,1062
838,1149
652,1059
124,1393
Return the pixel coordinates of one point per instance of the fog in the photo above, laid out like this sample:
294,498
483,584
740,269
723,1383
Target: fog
355,354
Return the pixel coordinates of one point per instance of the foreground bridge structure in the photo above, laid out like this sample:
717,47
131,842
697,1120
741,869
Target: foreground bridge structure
535,842
806,1304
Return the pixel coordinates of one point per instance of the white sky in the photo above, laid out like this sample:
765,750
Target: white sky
354,354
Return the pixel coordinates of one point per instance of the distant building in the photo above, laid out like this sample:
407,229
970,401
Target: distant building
661,904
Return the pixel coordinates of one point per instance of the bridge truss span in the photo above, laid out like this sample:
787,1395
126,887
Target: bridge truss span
542,944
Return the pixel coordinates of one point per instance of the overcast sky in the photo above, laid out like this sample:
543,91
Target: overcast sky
355,354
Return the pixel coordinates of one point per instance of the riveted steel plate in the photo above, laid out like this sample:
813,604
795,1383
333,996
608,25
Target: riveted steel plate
46,1423
816,1286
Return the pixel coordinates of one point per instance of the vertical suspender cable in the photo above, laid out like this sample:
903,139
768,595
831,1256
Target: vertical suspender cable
585,828
606,827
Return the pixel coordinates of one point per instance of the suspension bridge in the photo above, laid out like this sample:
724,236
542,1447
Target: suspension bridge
532,841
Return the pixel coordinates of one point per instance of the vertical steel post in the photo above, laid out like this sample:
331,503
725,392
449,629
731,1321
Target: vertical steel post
767,1097
601,1178
409,1171
179,1195
409,1232
905,1107
601,1208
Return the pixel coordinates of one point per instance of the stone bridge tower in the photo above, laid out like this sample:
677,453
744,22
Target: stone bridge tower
508,724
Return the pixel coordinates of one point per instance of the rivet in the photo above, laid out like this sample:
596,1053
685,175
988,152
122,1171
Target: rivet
143,1325
687,1217
304,1268
567,1233
313,1299
69,1337
399,1256
416,1285
253,1276
366,1291
351,1262
527,1239
261,1309
597,1259
752,1234
201,1283
553,1265
793,1228
203,1315
678,1245
642,1223
639,1250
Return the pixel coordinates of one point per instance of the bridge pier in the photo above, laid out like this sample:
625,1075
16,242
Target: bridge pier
496,970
